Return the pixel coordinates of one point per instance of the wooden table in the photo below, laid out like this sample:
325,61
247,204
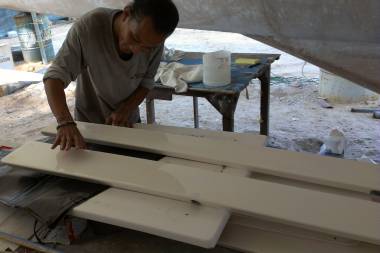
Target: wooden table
224,98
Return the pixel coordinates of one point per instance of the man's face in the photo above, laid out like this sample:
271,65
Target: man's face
136,37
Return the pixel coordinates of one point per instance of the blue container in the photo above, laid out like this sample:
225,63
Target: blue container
28,38
6,21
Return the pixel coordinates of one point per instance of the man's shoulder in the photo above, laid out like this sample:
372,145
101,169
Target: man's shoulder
97,13
96,18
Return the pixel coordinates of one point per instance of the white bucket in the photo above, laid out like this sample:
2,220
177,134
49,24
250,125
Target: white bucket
217,68
340,90
6,60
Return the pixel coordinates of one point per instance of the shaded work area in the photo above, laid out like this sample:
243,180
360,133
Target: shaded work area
176,184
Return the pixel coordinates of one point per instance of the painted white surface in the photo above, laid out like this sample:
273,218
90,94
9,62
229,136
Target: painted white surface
330,213
173,219
177,220
339,173
263,239
248,139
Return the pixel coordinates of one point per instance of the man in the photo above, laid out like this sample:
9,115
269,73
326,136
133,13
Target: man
114,56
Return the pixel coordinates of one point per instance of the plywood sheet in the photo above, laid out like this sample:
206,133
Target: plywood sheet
334,172
349,217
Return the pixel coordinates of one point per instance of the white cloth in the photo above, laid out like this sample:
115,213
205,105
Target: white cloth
178,75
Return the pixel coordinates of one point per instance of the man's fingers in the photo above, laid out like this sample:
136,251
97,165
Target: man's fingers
83,144
109,121
129,124
56,142
76,143
116,122
68,143
63,143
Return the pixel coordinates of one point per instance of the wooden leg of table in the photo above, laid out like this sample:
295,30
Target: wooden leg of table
228,122
226,105
150,112
196,112
264,102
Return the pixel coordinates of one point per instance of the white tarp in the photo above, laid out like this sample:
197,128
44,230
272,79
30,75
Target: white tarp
341,36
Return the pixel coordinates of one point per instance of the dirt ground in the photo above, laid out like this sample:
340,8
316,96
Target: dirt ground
297,121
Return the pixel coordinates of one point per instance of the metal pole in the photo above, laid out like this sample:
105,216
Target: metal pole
196,112
26,243
150,111
264,101
39,37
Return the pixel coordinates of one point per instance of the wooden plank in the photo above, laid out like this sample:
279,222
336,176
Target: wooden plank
249,139
193,164
334,172
349,217
254,240
173,219
207,166
177,220
291,231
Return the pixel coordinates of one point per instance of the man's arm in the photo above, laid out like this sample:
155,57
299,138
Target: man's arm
120,117
55,93
66,67
68,134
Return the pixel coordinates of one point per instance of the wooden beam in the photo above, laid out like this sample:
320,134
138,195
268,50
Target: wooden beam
348,217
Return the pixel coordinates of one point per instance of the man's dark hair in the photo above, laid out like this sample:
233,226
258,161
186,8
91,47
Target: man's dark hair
164,14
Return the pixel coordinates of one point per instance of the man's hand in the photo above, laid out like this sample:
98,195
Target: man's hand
121,117
69,136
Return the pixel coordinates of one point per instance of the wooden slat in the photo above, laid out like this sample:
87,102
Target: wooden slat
334,172
177,220
254,240
206,166
349,217
249,139
173,219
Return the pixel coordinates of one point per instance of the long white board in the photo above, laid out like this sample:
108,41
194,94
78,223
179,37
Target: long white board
173,219
334,172
348,217
249,139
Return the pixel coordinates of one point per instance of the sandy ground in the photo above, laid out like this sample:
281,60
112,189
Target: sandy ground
297,121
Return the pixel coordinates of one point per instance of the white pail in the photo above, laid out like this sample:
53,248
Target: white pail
217,68
6,60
